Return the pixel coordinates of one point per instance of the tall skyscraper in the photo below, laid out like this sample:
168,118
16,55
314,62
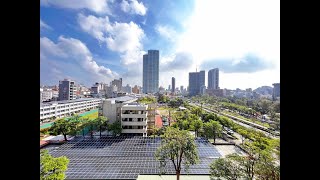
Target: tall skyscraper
173,82
196,80
151,72
67,90
276,91
213,79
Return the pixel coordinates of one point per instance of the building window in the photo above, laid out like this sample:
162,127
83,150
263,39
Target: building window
130,119
125,119
130,127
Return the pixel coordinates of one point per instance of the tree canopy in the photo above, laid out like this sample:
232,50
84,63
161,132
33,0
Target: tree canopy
116,128
64,127
52,168
177,146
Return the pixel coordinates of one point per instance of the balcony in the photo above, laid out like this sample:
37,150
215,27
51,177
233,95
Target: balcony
133,123
134,115
134,130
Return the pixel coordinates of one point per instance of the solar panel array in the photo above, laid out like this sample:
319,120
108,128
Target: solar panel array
124,157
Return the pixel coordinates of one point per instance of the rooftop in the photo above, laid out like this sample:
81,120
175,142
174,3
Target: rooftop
135,104
67,101
122,99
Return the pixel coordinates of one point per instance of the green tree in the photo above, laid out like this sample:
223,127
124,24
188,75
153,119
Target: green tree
116,128
64,127
225,168
101,122
176,146
265,106
185,125
197,124
210,116
243,133
52,168
163,98
212,129
196,110
91,124
266,169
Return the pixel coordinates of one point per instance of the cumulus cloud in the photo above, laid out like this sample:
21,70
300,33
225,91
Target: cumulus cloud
98,6
133,7
250,63
167,32
124,38
71,55
43,25
180,61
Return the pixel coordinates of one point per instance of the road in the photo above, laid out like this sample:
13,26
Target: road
233,119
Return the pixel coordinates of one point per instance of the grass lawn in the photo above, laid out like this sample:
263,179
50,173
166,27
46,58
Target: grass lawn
91,116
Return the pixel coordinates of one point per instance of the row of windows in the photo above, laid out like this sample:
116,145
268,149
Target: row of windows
47,109
131,119
133,127
133,112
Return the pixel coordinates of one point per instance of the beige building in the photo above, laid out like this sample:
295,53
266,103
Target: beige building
111,108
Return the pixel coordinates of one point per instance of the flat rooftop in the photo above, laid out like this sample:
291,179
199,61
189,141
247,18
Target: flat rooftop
125,157
135,104
122,98
67,101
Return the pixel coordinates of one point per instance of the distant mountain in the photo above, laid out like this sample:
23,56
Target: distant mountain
264,90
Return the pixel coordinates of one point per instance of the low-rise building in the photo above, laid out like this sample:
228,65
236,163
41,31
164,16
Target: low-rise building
111,108
59,109
134,119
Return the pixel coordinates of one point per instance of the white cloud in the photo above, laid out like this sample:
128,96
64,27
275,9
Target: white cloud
133,7
96,27
178,61
98,6
43,25
166,32
229,30
75,54
124,38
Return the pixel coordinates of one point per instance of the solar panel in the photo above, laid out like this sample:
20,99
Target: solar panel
124,157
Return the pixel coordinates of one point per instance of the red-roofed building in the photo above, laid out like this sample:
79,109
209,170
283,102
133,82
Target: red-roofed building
158,121
43,143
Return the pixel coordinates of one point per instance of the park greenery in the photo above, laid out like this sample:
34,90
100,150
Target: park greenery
76,125
147,100
51,167
257,164
177,146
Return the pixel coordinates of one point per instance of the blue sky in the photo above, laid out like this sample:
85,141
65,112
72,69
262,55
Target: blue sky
98,40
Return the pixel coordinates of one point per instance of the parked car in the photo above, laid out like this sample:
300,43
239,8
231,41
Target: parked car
230,132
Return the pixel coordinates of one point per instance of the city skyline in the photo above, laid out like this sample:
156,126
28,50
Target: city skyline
99,41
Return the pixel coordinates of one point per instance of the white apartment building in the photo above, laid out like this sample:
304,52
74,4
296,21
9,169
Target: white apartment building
134,119
61,109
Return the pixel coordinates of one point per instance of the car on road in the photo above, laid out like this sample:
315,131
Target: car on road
230,132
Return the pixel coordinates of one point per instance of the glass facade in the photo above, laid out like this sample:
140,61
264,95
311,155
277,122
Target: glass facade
196,80
151,72
213,79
